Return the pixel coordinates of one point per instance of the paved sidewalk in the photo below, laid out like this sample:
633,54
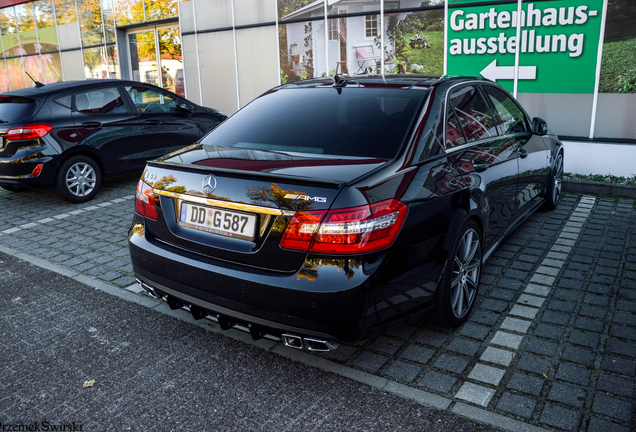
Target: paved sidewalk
551,343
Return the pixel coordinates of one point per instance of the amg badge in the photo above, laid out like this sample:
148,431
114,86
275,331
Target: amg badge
306,198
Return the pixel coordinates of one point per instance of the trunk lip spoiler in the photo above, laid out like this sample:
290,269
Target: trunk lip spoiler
225,204
255,174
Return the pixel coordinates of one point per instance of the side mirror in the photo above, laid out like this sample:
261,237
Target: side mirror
539,126
184,107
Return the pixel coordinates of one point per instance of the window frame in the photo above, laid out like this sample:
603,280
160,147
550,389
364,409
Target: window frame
479,85
525,115
88,89
163,92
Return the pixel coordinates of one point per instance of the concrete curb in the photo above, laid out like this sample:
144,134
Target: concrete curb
599,188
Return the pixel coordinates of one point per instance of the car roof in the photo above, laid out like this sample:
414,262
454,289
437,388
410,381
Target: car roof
34,92
393,80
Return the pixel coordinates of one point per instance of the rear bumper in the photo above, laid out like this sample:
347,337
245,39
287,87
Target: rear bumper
340,300
17,169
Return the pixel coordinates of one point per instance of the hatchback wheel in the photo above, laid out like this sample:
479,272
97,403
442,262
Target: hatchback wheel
78,179
455,297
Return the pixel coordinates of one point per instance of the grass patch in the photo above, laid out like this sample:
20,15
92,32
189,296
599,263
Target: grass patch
431,58
619,66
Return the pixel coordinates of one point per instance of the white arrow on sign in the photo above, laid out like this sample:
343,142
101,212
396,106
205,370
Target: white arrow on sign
494,72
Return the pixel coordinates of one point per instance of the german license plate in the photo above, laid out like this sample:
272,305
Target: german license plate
218,221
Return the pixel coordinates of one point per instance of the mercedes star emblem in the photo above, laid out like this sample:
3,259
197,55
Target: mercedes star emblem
209,184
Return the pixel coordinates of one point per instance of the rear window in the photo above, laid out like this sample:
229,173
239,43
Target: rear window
360,122
15,109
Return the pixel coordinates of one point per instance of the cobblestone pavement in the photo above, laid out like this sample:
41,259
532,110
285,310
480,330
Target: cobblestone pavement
551,342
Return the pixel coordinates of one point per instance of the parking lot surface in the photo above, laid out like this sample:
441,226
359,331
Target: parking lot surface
550,345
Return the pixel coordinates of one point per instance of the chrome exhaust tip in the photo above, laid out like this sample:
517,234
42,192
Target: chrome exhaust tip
149,290
313,344
292,341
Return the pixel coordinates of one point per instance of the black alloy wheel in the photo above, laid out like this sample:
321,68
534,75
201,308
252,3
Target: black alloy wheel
78,179
554,191
455,297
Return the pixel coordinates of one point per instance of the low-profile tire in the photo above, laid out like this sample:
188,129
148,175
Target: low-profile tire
455,297
554,191
12,188
78,179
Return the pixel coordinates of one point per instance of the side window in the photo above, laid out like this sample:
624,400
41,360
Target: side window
149,100
100,101
454,135
511,118
65,100
473,114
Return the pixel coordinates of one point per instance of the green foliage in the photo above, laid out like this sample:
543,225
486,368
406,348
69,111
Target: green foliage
627,82
603,178
618,70
618,67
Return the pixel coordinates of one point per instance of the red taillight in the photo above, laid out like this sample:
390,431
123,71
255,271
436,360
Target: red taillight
345,231
28,132
145,201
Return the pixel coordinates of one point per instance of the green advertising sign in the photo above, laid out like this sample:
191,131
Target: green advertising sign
558,44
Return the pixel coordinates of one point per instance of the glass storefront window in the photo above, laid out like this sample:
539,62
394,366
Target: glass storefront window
47,32
4,78
90,18
170,55
355,6
109,23
8,26
16,73
95,63
113,61
143,57
52,67
33,66
129,12
295,9
297,51
25,17
161,9
414,42
65,12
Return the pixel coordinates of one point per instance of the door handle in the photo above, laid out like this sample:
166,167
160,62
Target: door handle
523,153
91,125
152,122
480,166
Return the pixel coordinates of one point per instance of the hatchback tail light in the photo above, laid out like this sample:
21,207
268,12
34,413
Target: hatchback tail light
28,132
145,201
346,231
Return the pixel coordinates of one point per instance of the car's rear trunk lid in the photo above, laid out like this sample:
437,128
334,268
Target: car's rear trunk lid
233,205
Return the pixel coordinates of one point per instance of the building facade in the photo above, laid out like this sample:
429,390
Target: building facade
572,62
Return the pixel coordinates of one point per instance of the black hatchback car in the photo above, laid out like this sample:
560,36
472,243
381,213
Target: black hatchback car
70,135
346,208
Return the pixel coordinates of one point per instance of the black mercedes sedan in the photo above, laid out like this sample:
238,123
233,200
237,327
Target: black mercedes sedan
347,207
70,135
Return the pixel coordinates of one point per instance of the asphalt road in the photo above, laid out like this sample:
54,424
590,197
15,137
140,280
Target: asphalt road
154,372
